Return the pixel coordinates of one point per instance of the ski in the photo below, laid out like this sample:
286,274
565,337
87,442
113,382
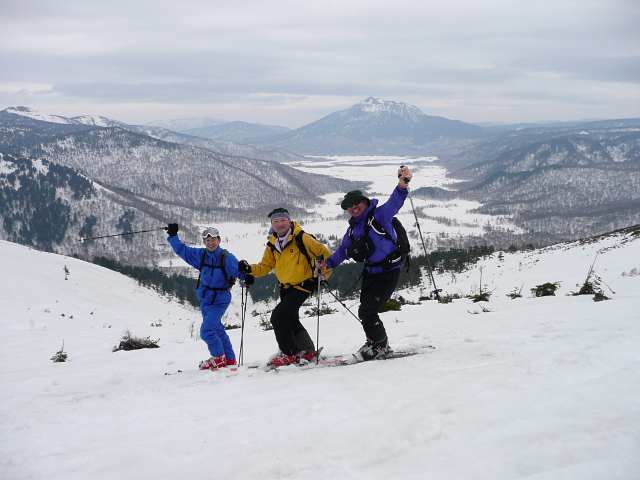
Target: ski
269,367
354,358
342,360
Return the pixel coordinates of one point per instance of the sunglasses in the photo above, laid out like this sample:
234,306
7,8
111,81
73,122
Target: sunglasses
210,232
353,203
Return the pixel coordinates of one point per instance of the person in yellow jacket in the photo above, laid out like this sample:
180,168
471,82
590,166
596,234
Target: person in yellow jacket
293,254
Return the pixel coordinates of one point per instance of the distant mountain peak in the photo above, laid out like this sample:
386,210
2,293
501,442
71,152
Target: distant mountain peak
373,105
375,127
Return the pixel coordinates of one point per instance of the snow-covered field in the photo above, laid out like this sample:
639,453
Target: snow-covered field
532,388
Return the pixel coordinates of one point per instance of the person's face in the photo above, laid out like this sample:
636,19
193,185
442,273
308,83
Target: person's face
212,243
357,209
281,225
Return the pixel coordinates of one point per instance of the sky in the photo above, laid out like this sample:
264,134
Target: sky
290,63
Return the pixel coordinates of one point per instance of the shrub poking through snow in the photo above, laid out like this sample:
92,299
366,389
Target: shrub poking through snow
546,289
324,310
391,305
265,324
592,288
600,296
60,356
480,297
129,342
515,293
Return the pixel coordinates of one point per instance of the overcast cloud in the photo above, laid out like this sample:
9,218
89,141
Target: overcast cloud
289,63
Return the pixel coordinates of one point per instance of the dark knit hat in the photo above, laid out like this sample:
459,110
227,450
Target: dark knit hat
351,198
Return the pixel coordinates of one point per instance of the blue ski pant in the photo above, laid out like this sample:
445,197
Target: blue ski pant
212,330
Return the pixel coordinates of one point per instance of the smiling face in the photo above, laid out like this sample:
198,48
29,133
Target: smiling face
212,243
281,225
358,209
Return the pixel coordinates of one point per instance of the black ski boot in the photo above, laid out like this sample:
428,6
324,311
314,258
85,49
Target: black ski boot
375,350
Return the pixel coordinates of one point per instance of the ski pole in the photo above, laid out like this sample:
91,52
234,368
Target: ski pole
121,234
243,314
319,260
326,284
436,290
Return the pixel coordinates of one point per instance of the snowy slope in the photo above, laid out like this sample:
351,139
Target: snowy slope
533,388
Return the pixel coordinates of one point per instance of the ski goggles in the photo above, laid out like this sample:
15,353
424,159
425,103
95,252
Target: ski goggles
210,232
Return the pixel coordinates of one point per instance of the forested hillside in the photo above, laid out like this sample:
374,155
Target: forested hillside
66,179
557,183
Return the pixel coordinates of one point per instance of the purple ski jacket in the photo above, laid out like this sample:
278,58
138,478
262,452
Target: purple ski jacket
384,215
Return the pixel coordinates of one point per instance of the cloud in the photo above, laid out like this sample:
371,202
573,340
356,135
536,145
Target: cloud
457,54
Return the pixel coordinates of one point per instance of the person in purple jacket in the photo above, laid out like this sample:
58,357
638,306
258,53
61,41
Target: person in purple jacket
218,272
365,241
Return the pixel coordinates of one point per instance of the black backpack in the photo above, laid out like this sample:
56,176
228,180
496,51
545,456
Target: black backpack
363,248
301,247
231,281
311,283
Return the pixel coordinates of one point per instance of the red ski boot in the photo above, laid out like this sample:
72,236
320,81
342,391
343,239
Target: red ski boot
214,363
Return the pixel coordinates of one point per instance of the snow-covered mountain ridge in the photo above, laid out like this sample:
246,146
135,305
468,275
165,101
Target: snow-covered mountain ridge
220,146
93,120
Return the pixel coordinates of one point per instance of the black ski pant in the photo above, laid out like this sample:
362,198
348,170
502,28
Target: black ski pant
291,335
377,288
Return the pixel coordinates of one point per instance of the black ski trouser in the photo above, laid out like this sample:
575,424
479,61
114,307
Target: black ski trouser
377,288
291,335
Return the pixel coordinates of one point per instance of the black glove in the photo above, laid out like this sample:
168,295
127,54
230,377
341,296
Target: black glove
244,267
249,279
172,229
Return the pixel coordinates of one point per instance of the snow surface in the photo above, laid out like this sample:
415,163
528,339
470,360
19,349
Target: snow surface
532,388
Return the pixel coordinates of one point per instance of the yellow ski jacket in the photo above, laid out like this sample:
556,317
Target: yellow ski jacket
292,267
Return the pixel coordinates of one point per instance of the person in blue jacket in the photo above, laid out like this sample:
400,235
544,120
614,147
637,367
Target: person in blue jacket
218,271
364,243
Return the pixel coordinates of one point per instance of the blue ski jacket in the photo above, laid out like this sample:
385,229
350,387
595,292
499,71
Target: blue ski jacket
384,215
211,277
